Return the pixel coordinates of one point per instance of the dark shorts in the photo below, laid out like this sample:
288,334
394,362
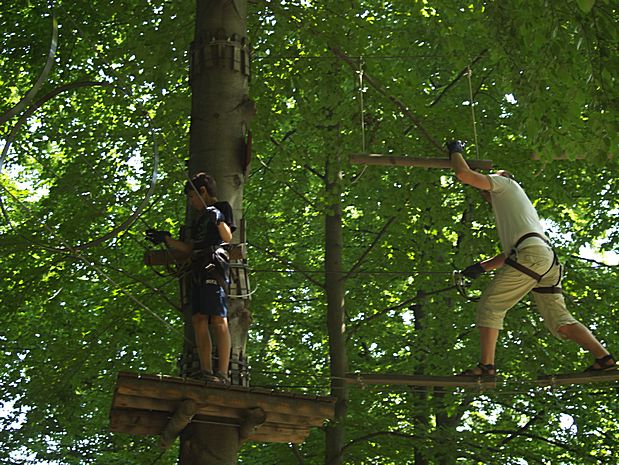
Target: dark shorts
209,299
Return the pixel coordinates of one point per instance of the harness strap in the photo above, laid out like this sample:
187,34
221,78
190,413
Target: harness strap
536,276
548,290
523,269
527,236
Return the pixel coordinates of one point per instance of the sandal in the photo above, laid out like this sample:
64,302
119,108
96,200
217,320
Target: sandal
606,363
486,371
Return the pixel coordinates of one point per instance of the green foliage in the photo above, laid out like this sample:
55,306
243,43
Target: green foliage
81,164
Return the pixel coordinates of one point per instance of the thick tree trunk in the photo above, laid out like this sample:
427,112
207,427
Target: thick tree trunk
221,110
334,285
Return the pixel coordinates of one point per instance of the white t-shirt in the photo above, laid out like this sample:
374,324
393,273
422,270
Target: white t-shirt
514,213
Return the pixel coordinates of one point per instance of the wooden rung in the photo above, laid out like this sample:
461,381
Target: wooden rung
578,378
422,162
420,380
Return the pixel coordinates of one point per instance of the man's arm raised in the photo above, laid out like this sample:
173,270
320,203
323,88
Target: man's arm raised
467,175
463,172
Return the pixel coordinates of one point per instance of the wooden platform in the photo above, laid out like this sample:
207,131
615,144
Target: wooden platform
474,382
578,378
143,405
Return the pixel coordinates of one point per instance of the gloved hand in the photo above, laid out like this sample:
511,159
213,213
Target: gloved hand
473,271
455,146
214,215
155,236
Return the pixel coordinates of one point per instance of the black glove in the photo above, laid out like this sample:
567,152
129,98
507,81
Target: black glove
455,146
156,237
473,271
214,215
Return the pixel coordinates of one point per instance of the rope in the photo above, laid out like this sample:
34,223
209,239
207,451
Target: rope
362,110
469,74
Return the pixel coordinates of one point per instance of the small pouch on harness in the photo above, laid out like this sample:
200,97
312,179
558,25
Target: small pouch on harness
211,263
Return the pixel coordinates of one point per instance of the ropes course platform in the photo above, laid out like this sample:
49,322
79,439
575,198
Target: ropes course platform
163,405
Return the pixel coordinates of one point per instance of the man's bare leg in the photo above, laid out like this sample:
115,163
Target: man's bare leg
581,335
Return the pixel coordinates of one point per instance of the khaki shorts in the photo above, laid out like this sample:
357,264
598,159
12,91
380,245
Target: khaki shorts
509,286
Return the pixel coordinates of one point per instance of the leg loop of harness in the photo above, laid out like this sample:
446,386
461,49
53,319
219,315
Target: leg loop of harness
554,289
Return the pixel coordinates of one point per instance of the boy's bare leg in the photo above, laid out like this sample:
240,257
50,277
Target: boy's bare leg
222,333
203,341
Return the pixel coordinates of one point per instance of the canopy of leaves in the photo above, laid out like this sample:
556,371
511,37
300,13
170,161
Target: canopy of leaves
329,79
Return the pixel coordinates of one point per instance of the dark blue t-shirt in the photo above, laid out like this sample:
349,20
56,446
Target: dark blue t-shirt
205,233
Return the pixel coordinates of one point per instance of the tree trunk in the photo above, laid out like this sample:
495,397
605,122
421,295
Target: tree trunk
220,115
334,286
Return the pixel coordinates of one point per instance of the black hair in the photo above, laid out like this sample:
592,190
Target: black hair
202,180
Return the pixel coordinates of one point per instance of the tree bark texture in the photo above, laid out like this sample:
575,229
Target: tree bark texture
334,286
220,115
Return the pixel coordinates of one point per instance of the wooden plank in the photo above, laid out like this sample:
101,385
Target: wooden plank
177,389
147,423
421,162
578,378
122,401
421,380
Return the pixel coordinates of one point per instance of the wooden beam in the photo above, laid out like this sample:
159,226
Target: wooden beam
180,419
251,420
122,401
578,378
423,162
420,380
147,423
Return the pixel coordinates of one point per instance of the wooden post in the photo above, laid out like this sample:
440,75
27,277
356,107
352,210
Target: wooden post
423,162
180,419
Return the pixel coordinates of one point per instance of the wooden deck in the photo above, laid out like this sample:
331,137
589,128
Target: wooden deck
144,405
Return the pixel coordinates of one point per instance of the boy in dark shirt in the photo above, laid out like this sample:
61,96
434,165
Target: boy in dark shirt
210,231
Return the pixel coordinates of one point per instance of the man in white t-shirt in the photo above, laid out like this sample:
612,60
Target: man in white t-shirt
527,263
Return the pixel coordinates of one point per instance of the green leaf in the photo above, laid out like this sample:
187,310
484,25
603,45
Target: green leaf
586,5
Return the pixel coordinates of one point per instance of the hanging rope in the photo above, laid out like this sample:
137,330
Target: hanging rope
469,74
362,109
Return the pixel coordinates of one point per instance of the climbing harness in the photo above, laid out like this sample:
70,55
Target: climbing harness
555,288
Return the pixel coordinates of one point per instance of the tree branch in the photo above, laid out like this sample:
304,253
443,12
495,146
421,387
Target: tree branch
463,72
362,257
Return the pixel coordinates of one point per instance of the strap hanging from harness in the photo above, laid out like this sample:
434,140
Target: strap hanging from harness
555,289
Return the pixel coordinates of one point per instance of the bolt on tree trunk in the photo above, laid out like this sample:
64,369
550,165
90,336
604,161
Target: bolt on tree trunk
220,115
